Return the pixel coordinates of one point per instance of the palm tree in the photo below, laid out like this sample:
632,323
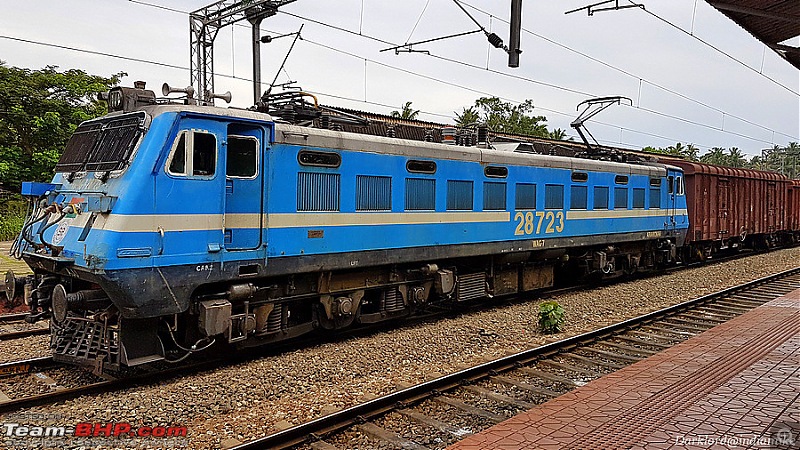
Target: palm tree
715,156
407,113
558,133
736,157
691,152
468,117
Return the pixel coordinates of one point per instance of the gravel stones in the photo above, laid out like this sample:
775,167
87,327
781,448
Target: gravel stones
247,400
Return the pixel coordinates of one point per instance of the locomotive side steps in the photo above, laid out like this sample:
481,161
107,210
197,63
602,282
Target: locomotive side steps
529,377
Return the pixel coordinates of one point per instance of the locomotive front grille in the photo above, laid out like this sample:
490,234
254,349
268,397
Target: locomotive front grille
471,286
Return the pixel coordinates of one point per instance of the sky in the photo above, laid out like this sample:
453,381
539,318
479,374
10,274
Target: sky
693,76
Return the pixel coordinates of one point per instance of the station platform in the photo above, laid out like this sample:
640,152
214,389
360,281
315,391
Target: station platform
736,385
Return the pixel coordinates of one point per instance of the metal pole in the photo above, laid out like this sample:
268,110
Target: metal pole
256,59
514,38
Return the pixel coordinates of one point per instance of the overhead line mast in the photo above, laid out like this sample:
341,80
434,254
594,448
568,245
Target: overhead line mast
205,23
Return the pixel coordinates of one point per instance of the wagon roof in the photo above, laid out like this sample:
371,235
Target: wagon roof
690,168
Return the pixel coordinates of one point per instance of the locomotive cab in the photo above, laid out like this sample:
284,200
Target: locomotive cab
147,203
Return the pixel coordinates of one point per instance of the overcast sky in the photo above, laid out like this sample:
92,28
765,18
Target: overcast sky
682,89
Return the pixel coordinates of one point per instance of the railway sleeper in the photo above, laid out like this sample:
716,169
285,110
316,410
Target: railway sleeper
722,308
683,319
714,312
436,424
384,435
548,376
647,342
525,386
498,397
626,348
469,409
593,361
322,445
589,373
683,331
613,355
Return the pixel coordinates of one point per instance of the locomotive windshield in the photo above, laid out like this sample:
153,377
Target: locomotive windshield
105,144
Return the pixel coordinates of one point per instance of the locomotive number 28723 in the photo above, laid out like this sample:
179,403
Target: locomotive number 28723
531,222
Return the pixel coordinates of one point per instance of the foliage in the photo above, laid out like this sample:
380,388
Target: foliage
407,112
468,117
39,110
559,134
733,157
551,317
504,117
12,215
785,160
688,152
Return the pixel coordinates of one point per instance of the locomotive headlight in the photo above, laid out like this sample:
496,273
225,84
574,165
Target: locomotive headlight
115,100
59,305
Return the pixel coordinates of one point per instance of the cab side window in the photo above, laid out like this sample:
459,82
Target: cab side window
242,157
195,153
204,154
177,165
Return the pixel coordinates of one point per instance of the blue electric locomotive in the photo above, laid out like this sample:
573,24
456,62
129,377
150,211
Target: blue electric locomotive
171,226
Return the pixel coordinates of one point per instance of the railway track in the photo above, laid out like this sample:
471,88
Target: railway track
13,326
48,388
441,411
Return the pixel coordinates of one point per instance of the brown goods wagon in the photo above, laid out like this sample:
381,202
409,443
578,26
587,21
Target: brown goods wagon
729,204
793,208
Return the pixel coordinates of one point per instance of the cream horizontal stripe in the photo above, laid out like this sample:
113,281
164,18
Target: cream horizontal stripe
149,223
623,213
198,222
243,221
366,218
201,222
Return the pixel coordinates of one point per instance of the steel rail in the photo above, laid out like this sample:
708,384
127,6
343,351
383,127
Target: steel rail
360,413
10,335
13,317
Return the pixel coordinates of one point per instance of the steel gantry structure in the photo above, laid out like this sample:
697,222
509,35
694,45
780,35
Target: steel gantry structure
205,23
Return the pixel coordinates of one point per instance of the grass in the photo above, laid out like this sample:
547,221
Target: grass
12,216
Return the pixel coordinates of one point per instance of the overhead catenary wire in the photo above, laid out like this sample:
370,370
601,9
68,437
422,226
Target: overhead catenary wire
439,57
597,60
632,75
712,46
467,88
477,91
575,91
642,79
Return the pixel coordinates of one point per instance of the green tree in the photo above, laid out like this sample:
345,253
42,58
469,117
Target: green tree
715,156
504,117
785,160
688,152
468,117
559,134
407,112
736,158
39,110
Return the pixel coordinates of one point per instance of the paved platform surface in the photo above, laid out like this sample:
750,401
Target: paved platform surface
735,386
